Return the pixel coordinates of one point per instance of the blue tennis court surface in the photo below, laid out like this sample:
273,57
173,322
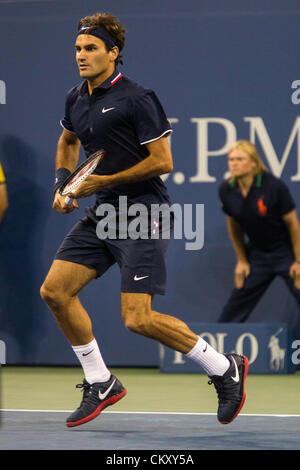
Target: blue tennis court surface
46,430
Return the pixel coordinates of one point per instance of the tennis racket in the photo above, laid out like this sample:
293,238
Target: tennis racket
80,174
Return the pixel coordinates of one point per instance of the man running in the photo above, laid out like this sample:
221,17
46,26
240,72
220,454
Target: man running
107,110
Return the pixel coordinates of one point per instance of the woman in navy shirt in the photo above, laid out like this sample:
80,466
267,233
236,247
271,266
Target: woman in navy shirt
264,229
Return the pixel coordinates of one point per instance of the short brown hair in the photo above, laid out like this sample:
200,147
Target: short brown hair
111,23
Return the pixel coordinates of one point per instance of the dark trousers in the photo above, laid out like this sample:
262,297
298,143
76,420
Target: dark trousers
264,267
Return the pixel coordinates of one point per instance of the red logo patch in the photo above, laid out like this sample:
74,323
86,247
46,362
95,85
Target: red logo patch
262,209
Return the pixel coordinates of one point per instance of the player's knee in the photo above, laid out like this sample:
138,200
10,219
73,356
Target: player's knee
136,320
136,313
138,325
47,294
51,296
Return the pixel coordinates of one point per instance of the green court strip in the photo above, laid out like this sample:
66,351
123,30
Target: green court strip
148,390
154,413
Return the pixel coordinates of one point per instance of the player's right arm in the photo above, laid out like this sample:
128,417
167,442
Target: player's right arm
67,156
242,269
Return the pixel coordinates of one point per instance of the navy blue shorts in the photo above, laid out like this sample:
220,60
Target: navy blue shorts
141,261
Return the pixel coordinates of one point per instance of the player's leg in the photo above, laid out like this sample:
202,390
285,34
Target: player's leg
60,292
144,275
80,259
139,317
143,270
226,371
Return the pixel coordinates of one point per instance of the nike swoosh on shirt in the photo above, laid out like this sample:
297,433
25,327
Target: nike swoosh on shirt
236,378
104,395
107,109
136,278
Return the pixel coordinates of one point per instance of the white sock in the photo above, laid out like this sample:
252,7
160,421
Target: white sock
209,359
92,363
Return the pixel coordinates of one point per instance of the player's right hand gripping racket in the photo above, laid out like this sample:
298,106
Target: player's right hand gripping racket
80,174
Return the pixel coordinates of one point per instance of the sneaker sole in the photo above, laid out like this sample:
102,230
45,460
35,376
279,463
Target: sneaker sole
111,401
246,365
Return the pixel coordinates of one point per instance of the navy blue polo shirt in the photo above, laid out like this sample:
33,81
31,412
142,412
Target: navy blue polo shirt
260,212
121,117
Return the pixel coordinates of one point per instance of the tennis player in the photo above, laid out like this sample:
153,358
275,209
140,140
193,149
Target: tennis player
108,110
264,229
3,194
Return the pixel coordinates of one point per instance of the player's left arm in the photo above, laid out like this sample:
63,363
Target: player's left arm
292,222
158,162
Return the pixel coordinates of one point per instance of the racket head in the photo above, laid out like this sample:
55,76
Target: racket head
81,173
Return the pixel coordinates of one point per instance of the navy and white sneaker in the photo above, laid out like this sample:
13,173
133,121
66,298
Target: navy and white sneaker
96,397
230,388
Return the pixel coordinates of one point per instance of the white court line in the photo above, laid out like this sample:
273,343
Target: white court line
155,413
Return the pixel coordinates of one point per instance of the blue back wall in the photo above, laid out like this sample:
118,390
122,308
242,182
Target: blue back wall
223,71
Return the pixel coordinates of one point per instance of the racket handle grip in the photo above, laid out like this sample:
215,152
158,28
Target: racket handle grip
68,200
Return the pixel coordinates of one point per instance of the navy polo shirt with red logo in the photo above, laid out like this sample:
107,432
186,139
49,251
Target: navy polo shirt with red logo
120,117
260,212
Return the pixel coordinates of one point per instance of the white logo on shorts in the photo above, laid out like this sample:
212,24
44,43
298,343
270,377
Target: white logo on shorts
136,278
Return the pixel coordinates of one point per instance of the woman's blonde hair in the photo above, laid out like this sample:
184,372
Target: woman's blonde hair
251,150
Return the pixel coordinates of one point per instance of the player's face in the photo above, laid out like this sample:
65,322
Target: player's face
93,59
240,163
